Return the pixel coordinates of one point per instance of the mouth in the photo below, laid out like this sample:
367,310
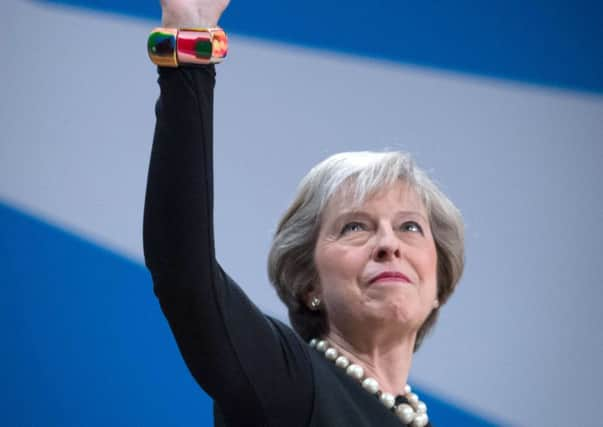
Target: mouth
390,276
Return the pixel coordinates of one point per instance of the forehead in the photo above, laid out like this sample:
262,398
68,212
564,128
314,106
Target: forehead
399,195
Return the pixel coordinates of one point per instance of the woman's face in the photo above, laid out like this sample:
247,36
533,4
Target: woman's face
377,263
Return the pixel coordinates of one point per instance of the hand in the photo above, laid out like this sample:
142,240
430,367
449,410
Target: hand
192,13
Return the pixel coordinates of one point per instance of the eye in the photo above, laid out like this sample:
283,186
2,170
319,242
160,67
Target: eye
412,226
352,227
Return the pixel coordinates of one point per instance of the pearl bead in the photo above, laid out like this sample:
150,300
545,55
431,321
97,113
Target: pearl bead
371,385
420,420
342,362
413,413
412,398
405,413
355,371
331,353
388,400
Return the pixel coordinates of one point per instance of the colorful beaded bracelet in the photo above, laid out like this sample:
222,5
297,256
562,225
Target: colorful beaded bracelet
171,47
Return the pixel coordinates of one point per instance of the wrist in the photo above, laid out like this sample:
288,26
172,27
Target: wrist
187,20
172,47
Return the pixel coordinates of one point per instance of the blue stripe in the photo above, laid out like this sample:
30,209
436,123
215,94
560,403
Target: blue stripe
84,342
553,43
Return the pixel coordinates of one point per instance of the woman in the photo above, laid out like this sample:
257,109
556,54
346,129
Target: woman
364,257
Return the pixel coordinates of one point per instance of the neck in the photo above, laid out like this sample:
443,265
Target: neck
387,360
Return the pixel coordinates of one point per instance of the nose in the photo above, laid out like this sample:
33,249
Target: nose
387,246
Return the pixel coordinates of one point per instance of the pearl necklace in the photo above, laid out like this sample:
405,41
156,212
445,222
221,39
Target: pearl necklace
413,413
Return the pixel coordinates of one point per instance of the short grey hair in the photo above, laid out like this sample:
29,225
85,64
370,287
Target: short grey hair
291,267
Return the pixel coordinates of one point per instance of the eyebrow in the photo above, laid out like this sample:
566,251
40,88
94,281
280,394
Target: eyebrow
351,213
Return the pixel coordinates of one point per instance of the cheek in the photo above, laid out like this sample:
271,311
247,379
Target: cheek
339,270
336,264
427,266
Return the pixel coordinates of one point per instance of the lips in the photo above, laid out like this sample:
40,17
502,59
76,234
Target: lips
390,276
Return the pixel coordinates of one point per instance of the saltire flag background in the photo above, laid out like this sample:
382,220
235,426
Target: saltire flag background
501,101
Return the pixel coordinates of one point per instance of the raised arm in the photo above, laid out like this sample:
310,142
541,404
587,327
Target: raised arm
179,201
245,361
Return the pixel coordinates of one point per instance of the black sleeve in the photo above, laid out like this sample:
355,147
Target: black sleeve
254,368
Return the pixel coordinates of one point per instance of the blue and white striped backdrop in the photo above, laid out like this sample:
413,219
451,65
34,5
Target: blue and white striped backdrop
501,101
